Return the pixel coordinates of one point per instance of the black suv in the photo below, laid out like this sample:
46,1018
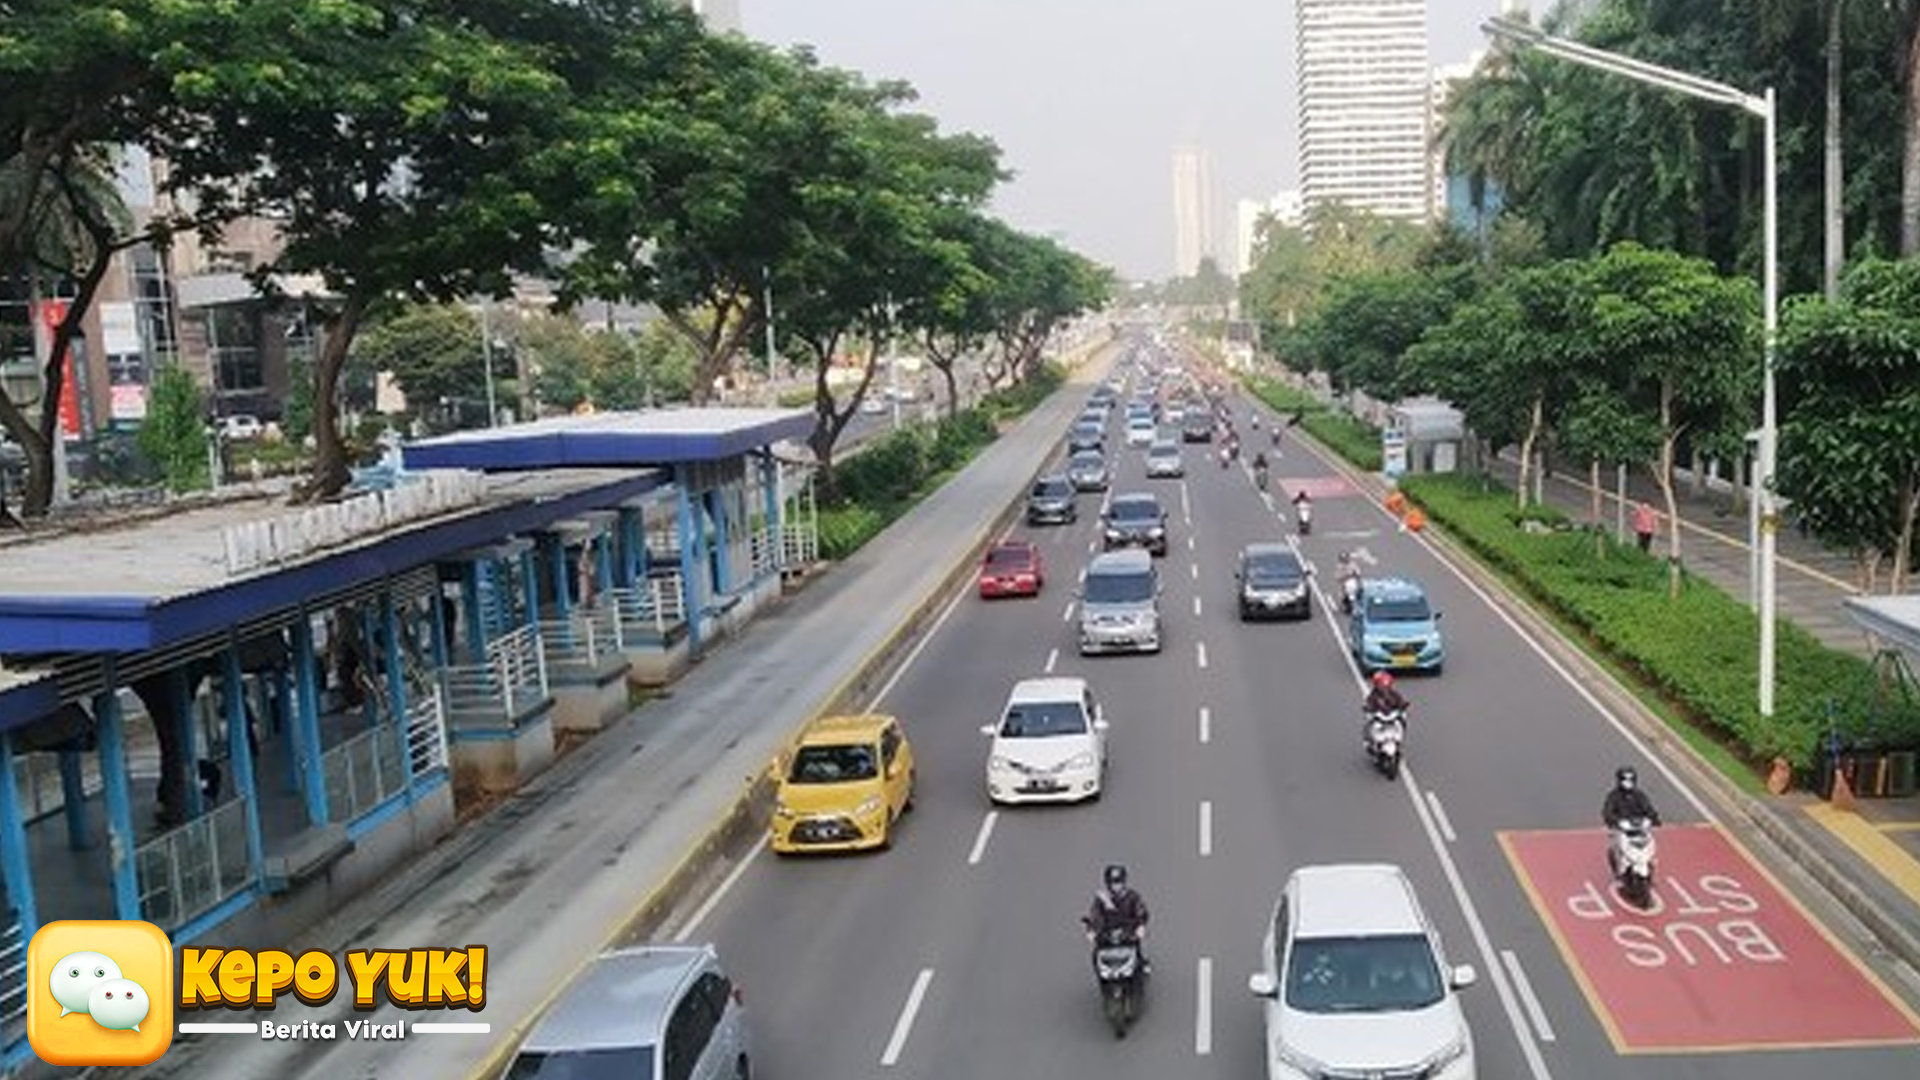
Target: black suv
1136,521
1272,583
1051,502
1198,426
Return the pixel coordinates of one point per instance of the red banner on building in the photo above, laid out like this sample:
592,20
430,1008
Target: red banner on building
52,314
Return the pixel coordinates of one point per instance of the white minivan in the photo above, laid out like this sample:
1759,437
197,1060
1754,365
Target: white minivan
1050,744
1355,982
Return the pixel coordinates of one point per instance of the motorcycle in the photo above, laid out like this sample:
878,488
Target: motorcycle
1386,738
1120,969
1349,592
1260,477
1630,856
1304,511
1225,458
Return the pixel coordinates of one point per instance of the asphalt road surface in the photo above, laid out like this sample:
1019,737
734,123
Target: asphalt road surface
1235,758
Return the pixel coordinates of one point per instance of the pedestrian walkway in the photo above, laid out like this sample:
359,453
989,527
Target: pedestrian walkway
1812,579
566,865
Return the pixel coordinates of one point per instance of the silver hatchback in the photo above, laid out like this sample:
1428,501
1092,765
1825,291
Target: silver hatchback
656,1012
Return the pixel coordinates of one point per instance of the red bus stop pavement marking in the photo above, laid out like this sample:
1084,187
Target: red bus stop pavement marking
1316,487
1724,959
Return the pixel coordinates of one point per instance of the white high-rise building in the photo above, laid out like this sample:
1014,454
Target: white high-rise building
1193,238
1365,94
1285,207
720,15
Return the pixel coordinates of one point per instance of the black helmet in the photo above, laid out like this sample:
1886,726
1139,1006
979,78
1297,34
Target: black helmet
1625,778
1116,876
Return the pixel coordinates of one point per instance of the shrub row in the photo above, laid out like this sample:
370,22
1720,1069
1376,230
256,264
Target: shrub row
1352,439
896,470
1698,650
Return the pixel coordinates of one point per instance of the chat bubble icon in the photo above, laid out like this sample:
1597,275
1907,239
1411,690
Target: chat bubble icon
118,1004
75,976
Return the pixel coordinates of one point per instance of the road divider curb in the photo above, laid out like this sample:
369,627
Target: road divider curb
711,857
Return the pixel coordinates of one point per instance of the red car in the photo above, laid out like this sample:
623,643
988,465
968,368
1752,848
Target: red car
1011,568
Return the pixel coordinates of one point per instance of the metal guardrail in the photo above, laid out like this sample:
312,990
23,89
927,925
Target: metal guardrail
189,870
585,638
657,605
426,734
799,545
515,670
13,981
362,773
763,553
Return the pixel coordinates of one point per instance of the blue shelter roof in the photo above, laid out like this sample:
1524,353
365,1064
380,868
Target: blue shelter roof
657,437
154,583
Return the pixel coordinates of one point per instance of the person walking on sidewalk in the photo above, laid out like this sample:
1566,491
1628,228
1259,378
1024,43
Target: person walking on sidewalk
1644,523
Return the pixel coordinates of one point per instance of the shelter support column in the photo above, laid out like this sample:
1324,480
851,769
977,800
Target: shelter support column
240,750
73,801
113,779
306,721
13,846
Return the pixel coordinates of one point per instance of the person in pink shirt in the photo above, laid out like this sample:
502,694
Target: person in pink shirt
1645,521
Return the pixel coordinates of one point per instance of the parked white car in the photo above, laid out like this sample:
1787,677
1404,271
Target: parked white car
1355,983
241,427
1050,744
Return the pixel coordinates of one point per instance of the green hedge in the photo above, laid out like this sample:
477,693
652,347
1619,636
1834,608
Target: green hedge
1352,439
1698,651
796,399
896,470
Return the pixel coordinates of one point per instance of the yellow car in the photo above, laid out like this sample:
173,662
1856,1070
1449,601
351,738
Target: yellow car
850,778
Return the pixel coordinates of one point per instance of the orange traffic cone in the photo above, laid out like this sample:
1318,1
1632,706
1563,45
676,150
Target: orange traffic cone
1843,793
1415,520
1396,502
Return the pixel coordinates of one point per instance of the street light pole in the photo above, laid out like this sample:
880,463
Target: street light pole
486,352
1763,107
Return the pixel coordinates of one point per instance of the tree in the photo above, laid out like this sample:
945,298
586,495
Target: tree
1368,322
1688,340
435,353
954,316
397,142
608,370
174,434
1850,446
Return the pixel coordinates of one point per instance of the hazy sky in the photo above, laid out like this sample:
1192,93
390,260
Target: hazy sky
1088,98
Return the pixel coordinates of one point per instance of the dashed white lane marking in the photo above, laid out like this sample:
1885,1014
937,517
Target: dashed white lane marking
1440,817
980,839
706,908
1196,607
1527,997
1067,615
1206,724
1206,827
1200,648
1053,658
1203,1007
1083,575
1194,569
1189,543
904,1026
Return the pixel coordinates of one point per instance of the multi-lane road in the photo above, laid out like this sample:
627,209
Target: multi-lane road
1236,757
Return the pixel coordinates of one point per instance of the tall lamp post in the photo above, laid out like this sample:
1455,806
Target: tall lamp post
1762,106
486,354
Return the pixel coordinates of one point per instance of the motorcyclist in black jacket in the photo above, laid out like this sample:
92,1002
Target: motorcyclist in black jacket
1627,800
1117,904
1383,699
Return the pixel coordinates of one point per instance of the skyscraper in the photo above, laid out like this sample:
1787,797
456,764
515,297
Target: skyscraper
1192,210
720,15
1365,92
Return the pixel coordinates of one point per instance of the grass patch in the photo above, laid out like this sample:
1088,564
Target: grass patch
1352,439
1693,653
795,399
893,472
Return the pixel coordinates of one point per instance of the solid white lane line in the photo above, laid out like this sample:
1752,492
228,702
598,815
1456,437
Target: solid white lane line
904,1025
1067,615
918,648
1200,649
1206,827
706,908
1052,659
1203,1008
1196,607
1529,1048
1527,997
1440,818
1633,739
1206,724
1093,546
980,839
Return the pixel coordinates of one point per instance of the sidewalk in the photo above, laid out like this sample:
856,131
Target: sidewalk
610,844
1812,579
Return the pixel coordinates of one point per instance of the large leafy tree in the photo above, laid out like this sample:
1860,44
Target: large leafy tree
398,151
1689,342
435,353
1850,447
